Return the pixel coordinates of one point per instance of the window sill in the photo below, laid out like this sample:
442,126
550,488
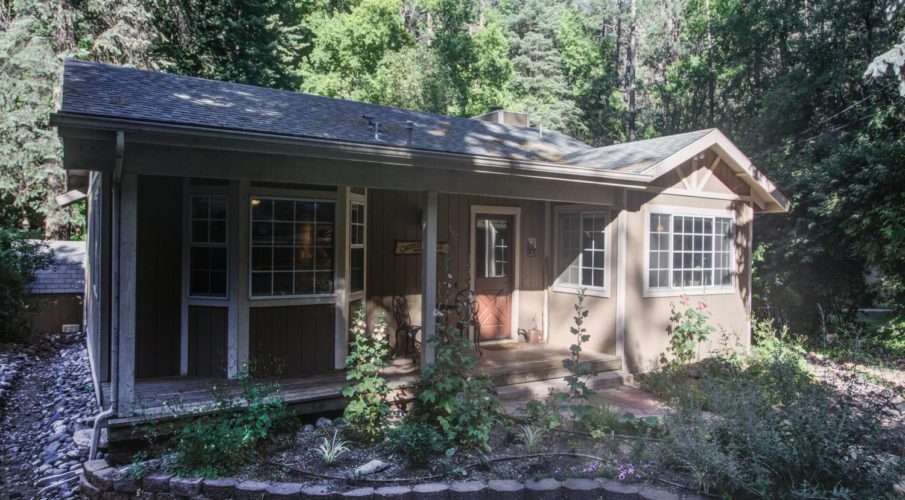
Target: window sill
297,300
590,292
676,292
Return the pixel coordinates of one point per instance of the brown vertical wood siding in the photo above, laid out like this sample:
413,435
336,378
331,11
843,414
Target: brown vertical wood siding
292,340
396,216
208,328
159,253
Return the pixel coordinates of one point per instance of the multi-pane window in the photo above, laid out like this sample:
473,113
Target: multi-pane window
208,248
292,247
690,251
357,246
581,250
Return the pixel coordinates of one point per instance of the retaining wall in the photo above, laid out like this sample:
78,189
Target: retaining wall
101,481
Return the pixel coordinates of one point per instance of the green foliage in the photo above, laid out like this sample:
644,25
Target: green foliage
367,405
330,450
777,433
19,259
578,369
531,437
218,443
417,441
450,396
259,42
688,328
545,413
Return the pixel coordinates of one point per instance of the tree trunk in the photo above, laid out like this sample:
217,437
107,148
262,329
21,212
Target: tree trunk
630,54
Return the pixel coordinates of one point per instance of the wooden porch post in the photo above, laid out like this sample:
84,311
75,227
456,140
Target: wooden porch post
341,260
428,276
128,235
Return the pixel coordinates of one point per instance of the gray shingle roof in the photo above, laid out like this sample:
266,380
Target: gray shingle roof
636,156
117,92
66,274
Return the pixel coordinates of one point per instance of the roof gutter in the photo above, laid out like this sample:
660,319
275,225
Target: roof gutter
236,140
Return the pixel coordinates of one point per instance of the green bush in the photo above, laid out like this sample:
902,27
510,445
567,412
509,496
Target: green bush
778,433
450,396
19,259
367,405
417,441
218,443
688,327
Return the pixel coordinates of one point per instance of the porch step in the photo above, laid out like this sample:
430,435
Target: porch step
540,388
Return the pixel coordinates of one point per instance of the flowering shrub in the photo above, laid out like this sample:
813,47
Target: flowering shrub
688,327
367,405
578,369
450,396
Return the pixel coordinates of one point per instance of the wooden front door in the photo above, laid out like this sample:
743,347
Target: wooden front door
494,269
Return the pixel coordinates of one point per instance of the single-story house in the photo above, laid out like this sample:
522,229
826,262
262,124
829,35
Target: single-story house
59,289
231,224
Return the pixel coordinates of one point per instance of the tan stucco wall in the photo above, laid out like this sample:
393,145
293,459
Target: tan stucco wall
647,318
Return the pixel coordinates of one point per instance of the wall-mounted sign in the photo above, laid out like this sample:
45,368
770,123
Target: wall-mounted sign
532,247
416,247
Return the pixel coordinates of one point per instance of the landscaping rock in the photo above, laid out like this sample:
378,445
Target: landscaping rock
186,486
46,397
283,491
317,491
371,467
358,493
580,489
323,422
394,492
504,489
250,490
467,489
157,482
620,491
219,489
431,491
546,489
649,493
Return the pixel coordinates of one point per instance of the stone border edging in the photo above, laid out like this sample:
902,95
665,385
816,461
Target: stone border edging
99,480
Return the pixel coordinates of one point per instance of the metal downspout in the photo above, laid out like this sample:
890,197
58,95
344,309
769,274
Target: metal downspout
101,418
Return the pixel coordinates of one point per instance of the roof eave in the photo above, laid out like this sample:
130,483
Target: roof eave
241,140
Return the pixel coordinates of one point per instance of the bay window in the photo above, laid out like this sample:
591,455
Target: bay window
292,247
356,247
208,246
689,251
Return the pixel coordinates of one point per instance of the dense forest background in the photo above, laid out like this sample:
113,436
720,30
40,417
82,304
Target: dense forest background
809,89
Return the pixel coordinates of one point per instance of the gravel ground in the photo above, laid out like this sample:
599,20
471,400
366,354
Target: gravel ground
47,396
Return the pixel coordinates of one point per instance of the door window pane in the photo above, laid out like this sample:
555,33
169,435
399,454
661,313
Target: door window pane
494,248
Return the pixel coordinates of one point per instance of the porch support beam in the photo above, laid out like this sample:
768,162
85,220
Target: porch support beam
428,276
128,247
621,249
341,333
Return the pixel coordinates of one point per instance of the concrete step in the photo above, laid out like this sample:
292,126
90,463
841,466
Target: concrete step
539,389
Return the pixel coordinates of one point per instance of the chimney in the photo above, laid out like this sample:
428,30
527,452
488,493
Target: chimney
505,117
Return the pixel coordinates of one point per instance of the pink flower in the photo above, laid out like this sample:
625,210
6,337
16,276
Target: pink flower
702,305
683,299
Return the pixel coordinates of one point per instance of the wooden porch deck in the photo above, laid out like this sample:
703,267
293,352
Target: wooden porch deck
507,364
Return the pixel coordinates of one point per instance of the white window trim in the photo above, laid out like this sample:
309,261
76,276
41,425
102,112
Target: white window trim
649,292
188,244
592,291
357,199
277,300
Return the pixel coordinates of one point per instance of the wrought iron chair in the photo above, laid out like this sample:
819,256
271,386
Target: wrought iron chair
407,342
467,312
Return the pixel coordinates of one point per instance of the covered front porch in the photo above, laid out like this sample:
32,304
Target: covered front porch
507,364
